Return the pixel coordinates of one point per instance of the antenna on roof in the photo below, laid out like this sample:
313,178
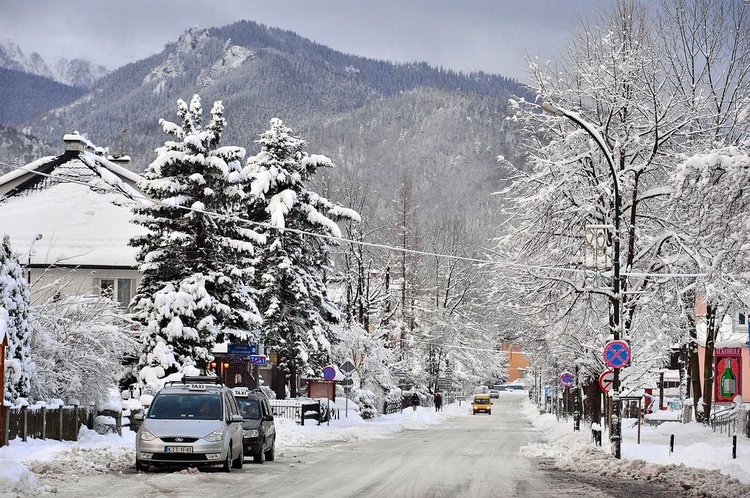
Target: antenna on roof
121,143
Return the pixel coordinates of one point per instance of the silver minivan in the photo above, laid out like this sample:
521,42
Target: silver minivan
193,422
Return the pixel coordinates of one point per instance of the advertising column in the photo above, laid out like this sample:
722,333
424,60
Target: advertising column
727,374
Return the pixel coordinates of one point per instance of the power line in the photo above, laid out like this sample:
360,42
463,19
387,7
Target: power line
138,196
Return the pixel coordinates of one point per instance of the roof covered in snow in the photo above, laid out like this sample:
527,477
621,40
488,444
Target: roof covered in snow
80,202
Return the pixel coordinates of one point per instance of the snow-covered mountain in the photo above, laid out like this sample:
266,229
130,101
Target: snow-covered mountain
79,73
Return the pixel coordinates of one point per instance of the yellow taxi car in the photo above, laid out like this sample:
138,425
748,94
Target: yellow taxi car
481,403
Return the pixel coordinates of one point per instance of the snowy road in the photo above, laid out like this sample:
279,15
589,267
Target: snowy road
466,456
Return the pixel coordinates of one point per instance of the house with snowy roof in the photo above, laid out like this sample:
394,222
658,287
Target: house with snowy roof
68,218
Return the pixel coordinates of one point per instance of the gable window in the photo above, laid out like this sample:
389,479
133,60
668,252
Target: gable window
119,289
742,318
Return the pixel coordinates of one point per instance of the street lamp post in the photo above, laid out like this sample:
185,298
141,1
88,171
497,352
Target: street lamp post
31,248
616,434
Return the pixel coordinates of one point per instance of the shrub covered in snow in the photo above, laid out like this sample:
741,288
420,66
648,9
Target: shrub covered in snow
367,403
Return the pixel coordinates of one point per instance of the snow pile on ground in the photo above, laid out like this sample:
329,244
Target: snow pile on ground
701,464
22,465
351,427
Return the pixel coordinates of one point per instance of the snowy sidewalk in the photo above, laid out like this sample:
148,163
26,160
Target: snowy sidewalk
701,462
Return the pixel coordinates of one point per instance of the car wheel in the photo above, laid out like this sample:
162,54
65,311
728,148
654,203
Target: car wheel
227,465
240,461
259,457
140,466
271,453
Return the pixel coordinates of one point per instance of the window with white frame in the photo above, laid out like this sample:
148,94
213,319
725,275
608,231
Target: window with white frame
119,289
742,317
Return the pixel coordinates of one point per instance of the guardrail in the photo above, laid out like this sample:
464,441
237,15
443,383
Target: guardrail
726,418
300,410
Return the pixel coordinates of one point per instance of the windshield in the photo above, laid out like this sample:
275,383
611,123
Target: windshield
249,408
186,406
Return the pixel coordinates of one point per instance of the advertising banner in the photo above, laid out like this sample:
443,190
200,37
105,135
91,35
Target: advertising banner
727,377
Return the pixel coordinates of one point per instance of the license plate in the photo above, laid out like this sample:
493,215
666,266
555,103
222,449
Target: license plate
178,449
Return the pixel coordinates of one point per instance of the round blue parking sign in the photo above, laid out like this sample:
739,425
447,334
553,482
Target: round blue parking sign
616,354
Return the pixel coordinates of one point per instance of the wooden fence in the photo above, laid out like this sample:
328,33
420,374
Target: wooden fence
61,423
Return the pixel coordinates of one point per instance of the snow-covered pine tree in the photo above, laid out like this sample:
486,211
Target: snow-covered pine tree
197,258
14,299
292,266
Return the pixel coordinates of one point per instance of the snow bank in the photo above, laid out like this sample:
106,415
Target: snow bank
701,463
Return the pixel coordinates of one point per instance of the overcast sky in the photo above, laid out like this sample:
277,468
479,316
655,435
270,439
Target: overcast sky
464,35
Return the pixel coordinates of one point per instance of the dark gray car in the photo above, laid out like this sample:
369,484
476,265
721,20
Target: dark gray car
259,431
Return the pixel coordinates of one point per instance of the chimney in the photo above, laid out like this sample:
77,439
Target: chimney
74,142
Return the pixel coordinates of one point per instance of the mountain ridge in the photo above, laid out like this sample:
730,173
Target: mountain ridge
376,119
77,72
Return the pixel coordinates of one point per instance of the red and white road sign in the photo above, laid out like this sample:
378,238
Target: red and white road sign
606,380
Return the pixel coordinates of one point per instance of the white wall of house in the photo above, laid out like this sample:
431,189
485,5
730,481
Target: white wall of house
49,282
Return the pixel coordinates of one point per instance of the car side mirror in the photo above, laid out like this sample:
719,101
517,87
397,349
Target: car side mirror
268,418
236,418
140,416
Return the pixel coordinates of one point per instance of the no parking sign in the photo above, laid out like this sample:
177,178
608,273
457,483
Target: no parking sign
566,379
617,354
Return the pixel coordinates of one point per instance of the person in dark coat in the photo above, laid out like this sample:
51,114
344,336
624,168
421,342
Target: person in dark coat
438,402
415,401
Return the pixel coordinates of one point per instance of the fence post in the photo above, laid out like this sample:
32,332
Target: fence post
60,422
671,444
43,413
25,415
6,428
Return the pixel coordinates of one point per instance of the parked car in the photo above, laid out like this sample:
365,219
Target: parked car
193,422
259,430
481,403
494,393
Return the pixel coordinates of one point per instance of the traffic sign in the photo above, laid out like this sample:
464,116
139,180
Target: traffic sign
606,380
257,359
348,368
244,349
616,354
329,372
347,383
566,379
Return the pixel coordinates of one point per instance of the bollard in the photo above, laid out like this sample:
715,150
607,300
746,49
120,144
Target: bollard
734,447
596,435
671,444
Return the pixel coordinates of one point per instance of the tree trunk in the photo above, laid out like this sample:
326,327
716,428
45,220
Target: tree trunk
592,409
708,361
292,381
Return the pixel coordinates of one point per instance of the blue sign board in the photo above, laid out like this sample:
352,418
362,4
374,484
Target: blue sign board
257,359
616,354
246,349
